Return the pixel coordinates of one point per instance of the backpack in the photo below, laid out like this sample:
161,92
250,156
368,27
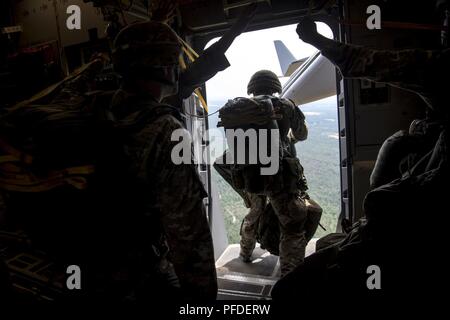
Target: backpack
247,114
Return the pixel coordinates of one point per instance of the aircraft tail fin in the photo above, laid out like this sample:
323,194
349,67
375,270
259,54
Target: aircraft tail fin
285,57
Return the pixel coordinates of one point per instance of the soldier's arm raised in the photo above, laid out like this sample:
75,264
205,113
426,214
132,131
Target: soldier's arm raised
213,59
236,29
407,69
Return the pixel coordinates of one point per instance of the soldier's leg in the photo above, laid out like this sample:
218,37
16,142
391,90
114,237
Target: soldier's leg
292,214
249,225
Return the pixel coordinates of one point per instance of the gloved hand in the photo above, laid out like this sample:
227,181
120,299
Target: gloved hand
246,16
307,30
236,29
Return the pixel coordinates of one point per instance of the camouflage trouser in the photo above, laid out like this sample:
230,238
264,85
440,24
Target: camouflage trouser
292,214
250,223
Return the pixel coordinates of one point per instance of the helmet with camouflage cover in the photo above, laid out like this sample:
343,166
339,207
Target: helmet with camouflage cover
264,82
142,47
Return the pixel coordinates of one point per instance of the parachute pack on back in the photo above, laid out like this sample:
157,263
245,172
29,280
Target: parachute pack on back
250,124
248,112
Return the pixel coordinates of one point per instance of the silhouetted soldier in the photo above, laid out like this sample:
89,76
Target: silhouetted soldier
394,231
135,231
284,188
146,55
212,60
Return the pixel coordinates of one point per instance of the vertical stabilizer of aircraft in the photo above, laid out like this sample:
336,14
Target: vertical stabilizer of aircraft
285,57
287,61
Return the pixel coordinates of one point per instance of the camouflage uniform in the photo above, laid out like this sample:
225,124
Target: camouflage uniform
416,70
292,214
289,208
177,206
396,208
211,61
197,73
136,232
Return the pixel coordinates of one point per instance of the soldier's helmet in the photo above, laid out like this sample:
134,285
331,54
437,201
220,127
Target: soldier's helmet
264,82
143,46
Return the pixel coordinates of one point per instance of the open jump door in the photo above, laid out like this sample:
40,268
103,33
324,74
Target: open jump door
203,21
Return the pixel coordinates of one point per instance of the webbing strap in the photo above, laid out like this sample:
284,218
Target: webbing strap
192,55
13,154
27,182
15,177
52,88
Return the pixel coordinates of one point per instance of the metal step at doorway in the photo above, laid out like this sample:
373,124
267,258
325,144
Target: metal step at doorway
238,280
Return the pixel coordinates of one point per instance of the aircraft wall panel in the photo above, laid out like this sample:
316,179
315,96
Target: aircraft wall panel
38,20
